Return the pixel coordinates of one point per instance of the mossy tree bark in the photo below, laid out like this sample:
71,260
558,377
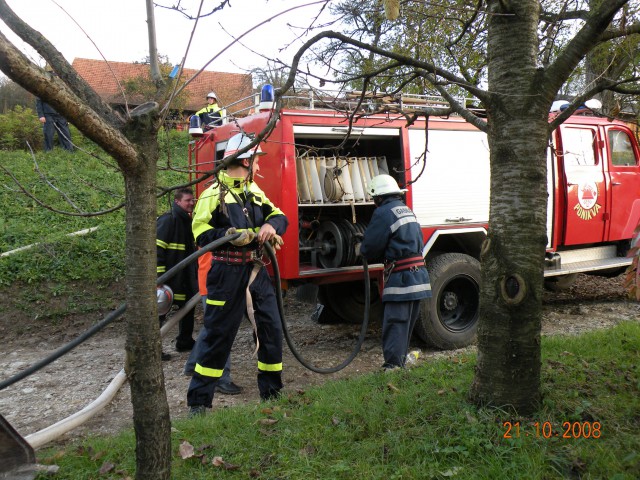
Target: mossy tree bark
520,94
508,370
151,418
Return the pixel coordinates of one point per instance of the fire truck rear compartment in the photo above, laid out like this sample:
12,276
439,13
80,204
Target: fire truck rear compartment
333,174
333,208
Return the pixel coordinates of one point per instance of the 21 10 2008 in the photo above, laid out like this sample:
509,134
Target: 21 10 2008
548,429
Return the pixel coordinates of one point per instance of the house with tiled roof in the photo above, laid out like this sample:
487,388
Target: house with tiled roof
110,80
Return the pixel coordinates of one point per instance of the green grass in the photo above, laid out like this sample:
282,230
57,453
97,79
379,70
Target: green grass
63,267
414,424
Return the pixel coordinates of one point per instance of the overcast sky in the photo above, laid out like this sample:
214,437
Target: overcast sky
118,28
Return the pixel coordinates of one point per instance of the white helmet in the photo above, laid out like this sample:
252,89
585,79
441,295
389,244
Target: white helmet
238,142
164,296
212,95
384,185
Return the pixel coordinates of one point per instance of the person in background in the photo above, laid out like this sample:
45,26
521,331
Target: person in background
238,282
225,385
174,242
394,234
53,122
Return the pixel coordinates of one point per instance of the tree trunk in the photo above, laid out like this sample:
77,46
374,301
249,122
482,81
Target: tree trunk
508,368
151,419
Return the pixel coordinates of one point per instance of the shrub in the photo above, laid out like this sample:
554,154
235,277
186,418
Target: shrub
19,128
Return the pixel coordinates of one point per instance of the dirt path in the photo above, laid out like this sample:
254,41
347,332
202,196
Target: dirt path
76,379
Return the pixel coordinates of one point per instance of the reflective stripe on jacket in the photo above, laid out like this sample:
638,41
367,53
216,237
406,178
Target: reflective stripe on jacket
210,115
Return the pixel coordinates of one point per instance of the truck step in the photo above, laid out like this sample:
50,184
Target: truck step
585,260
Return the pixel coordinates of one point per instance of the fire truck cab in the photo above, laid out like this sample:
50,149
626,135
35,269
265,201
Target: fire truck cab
318,164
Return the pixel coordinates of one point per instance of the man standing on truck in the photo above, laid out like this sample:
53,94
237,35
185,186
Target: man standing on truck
207,117
237,282
394,234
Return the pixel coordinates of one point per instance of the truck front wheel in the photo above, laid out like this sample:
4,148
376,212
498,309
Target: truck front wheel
449,319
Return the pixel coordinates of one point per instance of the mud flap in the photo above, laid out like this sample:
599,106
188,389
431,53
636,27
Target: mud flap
17,458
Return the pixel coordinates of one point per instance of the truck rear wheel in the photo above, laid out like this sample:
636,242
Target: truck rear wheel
346,301
449,319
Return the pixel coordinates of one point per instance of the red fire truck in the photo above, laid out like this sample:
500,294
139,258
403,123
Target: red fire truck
317,166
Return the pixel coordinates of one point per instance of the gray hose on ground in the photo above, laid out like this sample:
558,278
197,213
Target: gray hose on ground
58,429
53,432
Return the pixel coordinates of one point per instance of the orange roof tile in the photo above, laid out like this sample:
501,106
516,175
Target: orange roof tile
101,76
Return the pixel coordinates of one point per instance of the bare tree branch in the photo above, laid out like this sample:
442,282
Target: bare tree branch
264,22
115,77
579,45
564,15
59,64
626,89
620,32
156,76
418,64
49,207
182,10
174,94
35,80
466,25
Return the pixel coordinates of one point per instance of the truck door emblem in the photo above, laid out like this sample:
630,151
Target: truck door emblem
587,208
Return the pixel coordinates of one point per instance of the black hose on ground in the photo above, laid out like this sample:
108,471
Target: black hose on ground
285,328
65,348
113,315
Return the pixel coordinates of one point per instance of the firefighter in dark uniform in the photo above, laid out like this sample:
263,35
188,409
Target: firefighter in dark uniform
174,243
237,282
394,234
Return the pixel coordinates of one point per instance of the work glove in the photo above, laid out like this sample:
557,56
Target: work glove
245,238
276,242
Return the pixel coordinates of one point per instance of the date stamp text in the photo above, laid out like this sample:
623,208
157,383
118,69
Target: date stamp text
552,430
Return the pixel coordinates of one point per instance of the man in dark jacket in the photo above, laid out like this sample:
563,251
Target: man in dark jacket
53,122
394,235
174,243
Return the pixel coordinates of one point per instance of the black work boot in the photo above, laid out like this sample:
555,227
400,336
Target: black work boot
197,411
185,345
228,388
